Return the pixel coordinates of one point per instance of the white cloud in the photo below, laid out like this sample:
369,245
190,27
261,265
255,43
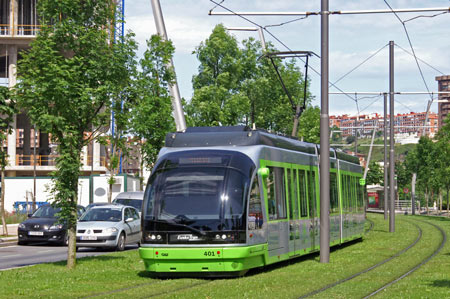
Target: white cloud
352,39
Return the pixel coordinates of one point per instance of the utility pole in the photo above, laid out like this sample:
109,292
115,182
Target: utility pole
34,171
178,113
391,139
324,141
386,195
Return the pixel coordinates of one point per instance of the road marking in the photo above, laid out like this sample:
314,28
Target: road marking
44,251
6,247
12,255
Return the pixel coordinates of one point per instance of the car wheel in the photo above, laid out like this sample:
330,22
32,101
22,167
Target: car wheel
121,242
65,240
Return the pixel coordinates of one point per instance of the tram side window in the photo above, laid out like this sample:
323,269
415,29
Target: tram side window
312,193
345,193
255,217
334,201
302,190
361,197
353,193
293,202
276,199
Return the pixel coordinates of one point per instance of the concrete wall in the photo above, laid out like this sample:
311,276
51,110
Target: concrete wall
16,189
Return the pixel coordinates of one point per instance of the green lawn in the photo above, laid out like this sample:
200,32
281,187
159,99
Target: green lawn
122,275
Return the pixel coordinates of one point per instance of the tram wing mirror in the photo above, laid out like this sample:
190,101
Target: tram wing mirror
263,172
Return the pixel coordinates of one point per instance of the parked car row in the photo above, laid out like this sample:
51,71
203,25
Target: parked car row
100,225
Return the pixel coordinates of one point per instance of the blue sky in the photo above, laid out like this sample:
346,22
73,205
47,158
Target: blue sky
353,38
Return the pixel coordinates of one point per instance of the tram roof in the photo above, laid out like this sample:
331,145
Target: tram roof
242,136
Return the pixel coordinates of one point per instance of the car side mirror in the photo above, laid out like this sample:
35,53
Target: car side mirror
29,215
129,219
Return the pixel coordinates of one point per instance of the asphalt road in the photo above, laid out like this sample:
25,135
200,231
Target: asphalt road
15,256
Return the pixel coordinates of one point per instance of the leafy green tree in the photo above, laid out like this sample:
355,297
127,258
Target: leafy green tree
403,176
66,82
375,175
309,125
421,160
336,136
350,139
7,111
151,117
443,159
234,86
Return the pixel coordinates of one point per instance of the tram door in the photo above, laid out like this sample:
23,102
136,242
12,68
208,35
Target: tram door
312,209
294,221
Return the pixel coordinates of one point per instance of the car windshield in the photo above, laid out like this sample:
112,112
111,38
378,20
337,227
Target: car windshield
103,214
135,203
46,212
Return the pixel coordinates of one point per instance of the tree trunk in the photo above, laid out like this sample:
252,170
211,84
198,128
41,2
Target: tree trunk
440,201
110,188
72,246
448,205
5,227
426,202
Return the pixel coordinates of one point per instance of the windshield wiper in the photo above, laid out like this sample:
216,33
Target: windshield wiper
180,225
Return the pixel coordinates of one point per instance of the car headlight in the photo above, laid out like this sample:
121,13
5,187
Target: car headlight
111,230
22,226
56,227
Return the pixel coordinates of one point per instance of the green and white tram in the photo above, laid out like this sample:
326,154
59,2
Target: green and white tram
223,200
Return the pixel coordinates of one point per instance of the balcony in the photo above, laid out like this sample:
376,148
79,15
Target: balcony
6,30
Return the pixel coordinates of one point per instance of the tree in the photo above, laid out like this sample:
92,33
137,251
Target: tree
236,87
309,125
66,82
421,160
443,150
151,117
7,111
375,175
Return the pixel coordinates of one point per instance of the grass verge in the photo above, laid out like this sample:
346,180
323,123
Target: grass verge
119,275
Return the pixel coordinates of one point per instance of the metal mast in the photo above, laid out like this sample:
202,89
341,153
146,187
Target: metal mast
178,112
119,31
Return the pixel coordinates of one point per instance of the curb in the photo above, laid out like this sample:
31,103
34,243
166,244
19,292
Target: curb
8,241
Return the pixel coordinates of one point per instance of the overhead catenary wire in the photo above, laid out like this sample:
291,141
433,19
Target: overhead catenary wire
423,61
360,64
410,44
271,34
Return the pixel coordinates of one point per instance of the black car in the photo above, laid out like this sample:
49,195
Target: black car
43,226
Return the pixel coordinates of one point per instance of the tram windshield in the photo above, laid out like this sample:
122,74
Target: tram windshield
199,191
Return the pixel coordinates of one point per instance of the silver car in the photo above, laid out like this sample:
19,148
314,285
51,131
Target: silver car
109,226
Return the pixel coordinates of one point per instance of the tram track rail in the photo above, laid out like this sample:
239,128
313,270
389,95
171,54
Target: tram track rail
331,285
393,281
372,224
144,285
423,262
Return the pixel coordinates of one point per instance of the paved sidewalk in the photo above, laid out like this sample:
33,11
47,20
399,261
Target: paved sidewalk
12,235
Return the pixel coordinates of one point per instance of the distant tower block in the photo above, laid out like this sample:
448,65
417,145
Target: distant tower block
444,107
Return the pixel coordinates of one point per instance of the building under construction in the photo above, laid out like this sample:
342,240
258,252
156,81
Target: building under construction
29,152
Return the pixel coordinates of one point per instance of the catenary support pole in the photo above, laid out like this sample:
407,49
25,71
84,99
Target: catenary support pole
324,141
386,182
391,140
413,194
178,113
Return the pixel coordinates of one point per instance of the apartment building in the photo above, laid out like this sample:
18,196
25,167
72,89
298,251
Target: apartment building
404,123
444,99
30,151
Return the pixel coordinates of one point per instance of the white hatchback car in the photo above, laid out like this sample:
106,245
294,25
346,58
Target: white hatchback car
109,226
